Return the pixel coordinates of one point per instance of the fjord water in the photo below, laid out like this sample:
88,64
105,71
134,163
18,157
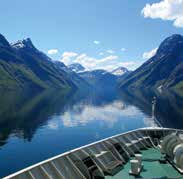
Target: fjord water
34,127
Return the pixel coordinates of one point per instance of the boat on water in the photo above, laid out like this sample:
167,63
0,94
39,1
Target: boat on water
144,153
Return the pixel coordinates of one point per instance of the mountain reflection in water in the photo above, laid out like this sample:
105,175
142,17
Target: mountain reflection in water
169,106
34,127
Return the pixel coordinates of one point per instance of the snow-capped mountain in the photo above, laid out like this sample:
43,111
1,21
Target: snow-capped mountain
120,71
76,67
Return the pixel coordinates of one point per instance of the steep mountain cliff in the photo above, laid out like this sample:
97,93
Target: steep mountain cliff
162,71
23,66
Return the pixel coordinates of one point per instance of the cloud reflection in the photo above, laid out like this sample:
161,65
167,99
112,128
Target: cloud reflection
148,121
53,125
81,115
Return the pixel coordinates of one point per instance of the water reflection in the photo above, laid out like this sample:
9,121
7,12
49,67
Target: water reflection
169,107
22,113
49,123
82,114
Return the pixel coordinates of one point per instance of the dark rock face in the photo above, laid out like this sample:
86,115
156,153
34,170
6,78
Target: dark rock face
3,42
164,70
25,43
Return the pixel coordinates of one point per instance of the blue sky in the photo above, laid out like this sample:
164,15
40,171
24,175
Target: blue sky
98,33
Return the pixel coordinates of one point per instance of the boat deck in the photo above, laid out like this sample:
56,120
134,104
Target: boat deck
152,168
106,159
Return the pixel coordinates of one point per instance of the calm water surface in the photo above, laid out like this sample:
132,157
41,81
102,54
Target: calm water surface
34,127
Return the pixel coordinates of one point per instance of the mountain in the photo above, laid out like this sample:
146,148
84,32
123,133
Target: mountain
3,42
78,81
164,70
23,66
120,71
76,67
103,79
99,78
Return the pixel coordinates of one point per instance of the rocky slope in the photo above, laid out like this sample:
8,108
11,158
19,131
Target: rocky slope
162,71
23,66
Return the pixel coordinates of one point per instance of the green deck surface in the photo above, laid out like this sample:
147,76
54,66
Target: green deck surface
151,169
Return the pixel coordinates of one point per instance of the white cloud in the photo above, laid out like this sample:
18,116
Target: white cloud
67,57
52,51
123,49
101,53
129,65
96,42
110,51
166,10
69,54
91,63
108,63
148,55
